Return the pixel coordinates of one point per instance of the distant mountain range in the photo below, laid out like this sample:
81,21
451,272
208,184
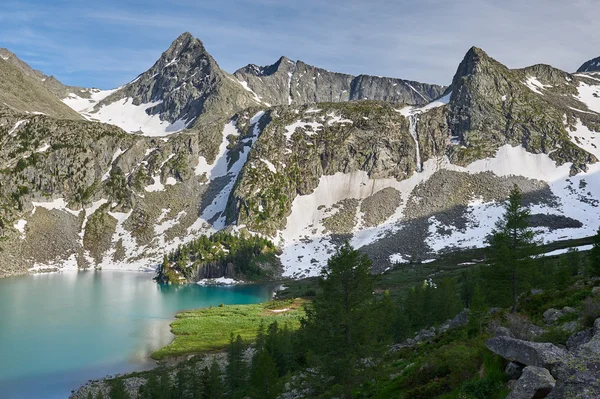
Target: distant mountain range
307,157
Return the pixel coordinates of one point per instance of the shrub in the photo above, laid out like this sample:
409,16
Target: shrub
555,335
591,311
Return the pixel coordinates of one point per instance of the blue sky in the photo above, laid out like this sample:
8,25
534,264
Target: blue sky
107,43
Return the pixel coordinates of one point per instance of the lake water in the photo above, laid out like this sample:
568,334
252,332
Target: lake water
59,330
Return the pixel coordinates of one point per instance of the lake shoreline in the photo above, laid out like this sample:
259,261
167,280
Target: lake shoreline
84,326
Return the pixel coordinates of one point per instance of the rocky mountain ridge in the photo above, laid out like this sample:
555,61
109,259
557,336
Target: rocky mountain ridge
26,93
402,182
49,82
186,89
289,82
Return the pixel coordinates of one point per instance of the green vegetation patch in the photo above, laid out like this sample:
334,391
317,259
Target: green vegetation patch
209,329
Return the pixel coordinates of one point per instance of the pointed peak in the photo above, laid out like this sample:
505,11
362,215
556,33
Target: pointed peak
474,56
475,61
184,41
283,58
592,65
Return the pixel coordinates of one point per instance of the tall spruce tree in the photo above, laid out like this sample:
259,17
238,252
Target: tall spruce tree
264,378
236,364
512,241
339,323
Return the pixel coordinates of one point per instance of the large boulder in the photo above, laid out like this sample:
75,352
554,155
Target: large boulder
424,335
537,354
461,319
513,370
579,375
500,331
552,315
535,382
579,338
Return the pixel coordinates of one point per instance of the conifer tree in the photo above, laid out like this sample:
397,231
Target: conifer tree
339,322
478,310
264,380
574,261
512,241
212,381
236,365
118,391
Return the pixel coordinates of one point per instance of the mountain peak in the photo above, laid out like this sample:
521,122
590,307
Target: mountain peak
184,43
474,62
592,65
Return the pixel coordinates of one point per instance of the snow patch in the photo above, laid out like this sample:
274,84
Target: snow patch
535,85
135,118
17,125
20,226
269,165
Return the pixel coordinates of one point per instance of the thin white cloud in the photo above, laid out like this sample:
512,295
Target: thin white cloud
422,40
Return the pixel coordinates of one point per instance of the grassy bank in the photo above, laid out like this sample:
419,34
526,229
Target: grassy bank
209,329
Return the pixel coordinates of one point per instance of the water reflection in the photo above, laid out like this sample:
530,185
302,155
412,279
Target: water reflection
71,327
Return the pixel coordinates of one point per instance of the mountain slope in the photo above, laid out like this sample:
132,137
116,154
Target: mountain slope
403,183
25,93
184,88
49,82
289,82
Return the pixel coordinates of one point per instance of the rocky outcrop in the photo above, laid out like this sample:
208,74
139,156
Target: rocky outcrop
535,382
492,105
579,376
289,82
554,372
537,354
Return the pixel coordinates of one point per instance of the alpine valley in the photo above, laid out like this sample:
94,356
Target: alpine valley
307,158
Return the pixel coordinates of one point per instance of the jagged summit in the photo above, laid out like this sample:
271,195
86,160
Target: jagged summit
184,88
592,65
475,61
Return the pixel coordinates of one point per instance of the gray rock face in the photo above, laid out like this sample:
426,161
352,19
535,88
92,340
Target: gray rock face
551,316
488,98
592,65
537,354
188,85
579,338
579,376
289,82
513,370
501,331
49,82
424,335
536,382
461,319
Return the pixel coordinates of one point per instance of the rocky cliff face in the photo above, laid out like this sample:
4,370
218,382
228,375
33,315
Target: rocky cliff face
492,106
289,82
402,182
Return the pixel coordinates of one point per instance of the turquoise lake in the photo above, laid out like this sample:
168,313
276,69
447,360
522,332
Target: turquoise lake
59,330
